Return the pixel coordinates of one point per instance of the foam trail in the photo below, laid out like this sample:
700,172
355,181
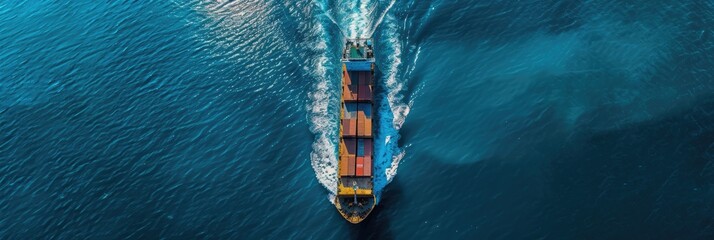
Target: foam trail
323,156
391,107
322,122
364,12
356,15
381,17
358,18
327,13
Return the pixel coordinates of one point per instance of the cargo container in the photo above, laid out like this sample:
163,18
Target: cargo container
355,194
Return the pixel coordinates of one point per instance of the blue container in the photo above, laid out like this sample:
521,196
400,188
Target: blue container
359,66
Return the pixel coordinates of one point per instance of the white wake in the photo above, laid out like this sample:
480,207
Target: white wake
356,19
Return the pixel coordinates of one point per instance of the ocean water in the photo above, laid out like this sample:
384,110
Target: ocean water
217,119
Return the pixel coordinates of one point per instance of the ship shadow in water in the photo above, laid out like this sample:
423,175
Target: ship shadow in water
377,225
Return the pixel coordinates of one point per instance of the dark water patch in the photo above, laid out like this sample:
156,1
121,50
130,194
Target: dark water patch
566,189
566,16
469,199
640,186
468,22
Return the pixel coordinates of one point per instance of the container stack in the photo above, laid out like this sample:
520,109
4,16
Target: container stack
356,143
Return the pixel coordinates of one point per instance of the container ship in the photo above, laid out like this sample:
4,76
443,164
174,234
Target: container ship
355,194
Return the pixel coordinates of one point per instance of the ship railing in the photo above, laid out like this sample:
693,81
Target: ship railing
368,54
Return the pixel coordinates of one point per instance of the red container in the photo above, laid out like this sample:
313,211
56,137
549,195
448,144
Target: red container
360,166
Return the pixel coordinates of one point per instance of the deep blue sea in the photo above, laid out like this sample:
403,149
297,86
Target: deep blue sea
217,119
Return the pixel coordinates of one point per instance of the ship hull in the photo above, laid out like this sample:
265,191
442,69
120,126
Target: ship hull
355,194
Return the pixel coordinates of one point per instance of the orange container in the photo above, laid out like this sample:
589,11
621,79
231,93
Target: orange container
367,165
351,165
368,128
351,128
361,115
360,129
344,169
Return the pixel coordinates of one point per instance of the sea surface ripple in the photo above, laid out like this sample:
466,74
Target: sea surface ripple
218,119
